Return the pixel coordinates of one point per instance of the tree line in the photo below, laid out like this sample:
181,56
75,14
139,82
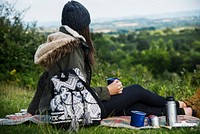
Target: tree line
169,50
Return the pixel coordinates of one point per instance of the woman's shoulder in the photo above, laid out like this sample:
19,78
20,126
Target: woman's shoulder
57,45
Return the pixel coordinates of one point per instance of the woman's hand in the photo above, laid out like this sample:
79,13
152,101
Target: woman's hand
16,117
115,87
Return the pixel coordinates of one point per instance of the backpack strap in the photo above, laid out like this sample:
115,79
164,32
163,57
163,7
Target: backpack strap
103,112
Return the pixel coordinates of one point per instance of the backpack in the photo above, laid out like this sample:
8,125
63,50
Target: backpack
73,101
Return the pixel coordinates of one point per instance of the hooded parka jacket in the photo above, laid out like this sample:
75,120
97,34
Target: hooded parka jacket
64,50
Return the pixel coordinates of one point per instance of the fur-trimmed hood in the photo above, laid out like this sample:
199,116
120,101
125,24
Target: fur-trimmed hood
57,45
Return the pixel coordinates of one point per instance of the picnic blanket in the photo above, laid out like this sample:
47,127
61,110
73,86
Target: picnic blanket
38,119
118,121
124,122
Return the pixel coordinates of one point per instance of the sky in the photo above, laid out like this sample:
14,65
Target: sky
50,10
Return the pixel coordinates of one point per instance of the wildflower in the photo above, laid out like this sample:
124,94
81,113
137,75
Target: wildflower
13,72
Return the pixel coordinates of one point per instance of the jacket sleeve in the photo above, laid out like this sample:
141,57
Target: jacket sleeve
33,106
102,92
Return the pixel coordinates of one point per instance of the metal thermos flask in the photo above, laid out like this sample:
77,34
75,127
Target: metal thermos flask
171,113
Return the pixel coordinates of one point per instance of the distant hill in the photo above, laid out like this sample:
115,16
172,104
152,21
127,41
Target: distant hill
156,21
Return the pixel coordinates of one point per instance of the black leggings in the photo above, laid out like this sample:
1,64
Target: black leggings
135,97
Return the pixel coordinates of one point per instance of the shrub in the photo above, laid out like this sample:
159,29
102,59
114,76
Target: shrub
18,42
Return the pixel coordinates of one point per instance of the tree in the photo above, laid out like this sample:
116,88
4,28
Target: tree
18,42
168,31
142,45
157,61
131,37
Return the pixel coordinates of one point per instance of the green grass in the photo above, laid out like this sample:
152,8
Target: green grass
48,129
13,98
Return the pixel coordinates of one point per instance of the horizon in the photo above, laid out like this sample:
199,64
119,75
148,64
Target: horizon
151,16
50,10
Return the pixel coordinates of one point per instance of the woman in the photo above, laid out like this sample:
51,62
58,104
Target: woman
63,49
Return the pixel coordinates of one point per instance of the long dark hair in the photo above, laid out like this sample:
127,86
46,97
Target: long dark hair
86,34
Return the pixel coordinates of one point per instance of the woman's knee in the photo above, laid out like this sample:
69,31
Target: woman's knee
135,88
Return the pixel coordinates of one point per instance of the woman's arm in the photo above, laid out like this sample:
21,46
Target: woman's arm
34,105
114,88
102,92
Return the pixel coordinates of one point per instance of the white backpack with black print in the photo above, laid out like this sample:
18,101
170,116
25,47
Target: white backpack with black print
73,101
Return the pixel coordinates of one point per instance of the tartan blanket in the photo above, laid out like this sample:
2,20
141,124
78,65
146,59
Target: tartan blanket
118,121
124,122
38,119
